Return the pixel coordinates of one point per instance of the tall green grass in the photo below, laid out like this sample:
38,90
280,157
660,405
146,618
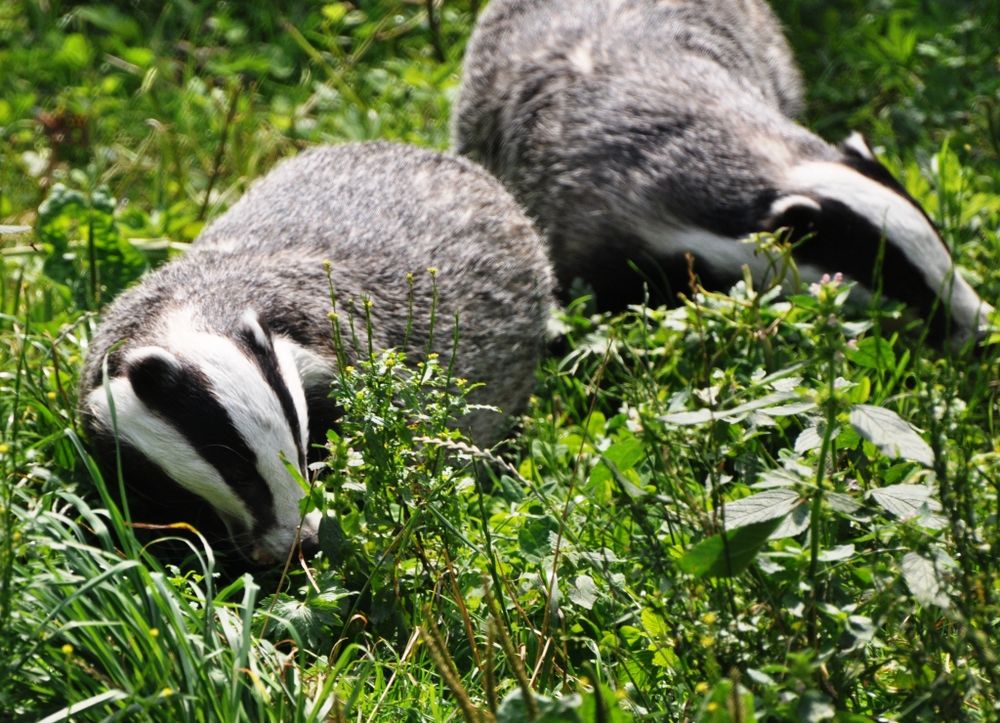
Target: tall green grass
745,508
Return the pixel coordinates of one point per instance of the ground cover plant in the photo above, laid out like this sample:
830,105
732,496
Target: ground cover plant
748,507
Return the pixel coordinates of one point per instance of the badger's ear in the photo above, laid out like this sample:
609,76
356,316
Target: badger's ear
856,145
153,371
795,210
254,332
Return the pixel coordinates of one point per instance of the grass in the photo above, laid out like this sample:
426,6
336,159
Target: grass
745,508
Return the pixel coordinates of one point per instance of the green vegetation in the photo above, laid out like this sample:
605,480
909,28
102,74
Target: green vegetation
711,513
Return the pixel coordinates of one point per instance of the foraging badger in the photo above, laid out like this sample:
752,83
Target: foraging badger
219,363
637,131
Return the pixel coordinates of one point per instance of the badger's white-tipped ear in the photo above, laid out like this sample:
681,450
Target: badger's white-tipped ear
856,145
253,327
785,204
154,354
152,367
795,211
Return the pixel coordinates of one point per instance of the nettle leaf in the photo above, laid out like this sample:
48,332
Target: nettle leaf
795,523
763,506
584,592
839,502
908,502
771,404
924,580
808,440
891,434
836,554
730,553
620,456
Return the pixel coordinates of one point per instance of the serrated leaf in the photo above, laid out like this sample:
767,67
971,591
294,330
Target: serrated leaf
924,580
889,432
729,556
905,501
808,440
781,478
768,402
795,523
653,624
684,419
787,410
836,554
760,507
584,592
839,502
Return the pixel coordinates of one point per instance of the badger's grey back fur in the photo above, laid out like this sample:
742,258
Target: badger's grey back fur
637,130
378,213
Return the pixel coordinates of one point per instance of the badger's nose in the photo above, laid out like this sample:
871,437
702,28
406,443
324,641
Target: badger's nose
309,545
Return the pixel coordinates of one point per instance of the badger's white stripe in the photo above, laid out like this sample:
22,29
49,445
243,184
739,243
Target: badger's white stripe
284,351
252,405
251,322
141,428
905,227
785,203
720,253
136,355
857,143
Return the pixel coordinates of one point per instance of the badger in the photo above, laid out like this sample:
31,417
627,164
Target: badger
639,132
214,371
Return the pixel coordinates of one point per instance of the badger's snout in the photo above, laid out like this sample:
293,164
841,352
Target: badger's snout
275,545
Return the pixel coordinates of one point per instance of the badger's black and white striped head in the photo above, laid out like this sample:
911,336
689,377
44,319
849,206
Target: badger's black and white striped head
221,414
849,212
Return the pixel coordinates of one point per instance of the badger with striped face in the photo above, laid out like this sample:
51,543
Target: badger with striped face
639,131
221,412
210,379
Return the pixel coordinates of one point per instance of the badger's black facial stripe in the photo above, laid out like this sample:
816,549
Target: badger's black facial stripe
182,395
838,239
267,362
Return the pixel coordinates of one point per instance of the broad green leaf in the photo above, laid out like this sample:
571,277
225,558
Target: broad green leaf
770,403
836,554
873,353
908,502
584,592
795,522
760,507
653,624
893,436
718,557
808,440
924,580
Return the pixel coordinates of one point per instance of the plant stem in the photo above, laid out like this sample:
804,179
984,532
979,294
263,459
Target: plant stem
817,503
